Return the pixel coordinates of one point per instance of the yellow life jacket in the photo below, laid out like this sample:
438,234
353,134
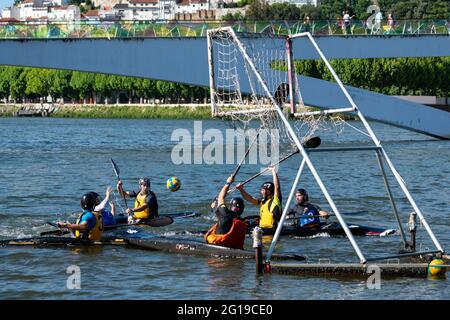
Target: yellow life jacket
266,219
95,234
139,202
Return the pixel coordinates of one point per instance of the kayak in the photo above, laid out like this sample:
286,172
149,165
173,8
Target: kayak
58,241
200,248
122,222
160,221
122,219
182,246
332,229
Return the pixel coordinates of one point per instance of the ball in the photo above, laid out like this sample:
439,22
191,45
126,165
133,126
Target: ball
435,267
173,184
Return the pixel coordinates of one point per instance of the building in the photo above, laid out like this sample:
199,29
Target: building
56,3
145,9
314,3
192,6
64,13
107,3
11,13
42,11
91,15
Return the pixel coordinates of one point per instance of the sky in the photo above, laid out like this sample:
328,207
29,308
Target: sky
5,3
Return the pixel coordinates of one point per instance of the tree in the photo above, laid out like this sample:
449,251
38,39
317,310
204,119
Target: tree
59,81
258,10
102,85
82,83
16,79
4,84
37,84
165,89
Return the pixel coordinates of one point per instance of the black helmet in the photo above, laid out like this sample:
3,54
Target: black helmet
145,181
96,196
237,205
268,186
304,193
88,201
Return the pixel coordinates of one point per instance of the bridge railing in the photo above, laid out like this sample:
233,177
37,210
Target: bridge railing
154,29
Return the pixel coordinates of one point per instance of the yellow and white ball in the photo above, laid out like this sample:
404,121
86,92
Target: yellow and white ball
436,268
173,184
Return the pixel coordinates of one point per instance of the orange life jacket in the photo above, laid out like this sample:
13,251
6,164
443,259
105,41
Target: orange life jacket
232,239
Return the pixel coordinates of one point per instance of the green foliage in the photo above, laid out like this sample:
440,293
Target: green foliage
399,76
233,17
59,83
82,83
133,112
37,82
258,10
16,81
4,84
333,9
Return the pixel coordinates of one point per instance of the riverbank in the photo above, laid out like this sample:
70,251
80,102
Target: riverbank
100,111
128,111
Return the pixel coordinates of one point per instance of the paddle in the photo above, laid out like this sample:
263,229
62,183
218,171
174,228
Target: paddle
161,221
155,222
58,232
312,142
52,224
182,214
117,171
244,157
333,215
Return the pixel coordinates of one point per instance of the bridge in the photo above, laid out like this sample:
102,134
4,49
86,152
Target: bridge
105,48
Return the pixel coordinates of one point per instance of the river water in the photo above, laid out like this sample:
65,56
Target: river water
47,164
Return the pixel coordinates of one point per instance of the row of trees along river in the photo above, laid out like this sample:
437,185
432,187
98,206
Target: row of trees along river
399,76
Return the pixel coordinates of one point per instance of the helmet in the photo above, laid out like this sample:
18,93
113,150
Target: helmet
268,186
304,193
145,181
96,196
237,205
88,201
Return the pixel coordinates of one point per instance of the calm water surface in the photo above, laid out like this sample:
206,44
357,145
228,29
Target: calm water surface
47,164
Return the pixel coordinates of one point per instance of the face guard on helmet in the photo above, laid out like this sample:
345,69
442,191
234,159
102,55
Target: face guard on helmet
268,186
237,206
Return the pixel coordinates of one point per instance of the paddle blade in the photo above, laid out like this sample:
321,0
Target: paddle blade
115,168
58,232
160,221
52,224
182,214
312,142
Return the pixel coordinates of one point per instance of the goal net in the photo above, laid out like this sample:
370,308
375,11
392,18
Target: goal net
251,76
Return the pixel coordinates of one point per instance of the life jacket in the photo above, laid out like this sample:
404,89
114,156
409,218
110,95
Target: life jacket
94,234
265,212
308,222
139,202
232,239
